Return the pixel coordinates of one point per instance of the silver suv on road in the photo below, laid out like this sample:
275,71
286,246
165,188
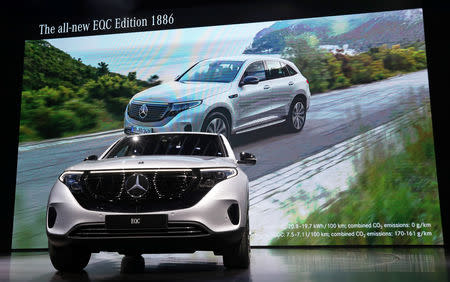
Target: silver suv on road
152,193
227,95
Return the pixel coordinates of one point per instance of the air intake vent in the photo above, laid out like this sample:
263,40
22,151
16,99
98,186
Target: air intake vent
174,229
147,112
233,213
51,217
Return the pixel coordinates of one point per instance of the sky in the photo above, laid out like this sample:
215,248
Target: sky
163,37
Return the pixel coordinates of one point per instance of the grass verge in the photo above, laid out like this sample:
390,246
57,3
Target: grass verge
390,187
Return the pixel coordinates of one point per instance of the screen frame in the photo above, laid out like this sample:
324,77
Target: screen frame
24,26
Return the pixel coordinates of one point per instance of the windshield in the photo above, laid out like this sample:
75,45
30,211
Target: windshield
213,71
168,144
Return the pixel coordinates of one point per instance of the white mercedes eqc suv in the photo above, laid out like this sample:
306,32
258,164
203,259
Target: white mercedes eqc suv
152,193
227,95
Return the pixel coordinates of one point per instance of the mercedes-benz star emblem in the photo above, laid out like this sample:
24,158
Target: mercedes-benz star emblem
143,111
137,185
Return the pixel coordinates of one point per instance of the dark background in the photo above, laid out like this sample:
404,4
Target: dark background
23,18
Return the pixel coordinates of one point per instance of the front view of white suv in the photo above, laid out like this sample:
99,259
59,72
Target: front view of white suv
227,95
152,193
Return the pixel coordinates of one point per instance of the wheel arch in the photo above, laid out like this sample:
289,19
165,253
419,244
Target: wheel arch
302,96
222,109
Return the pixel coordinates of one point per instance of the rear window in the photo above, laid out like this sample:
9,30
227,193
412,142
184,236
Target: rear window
284,70
169,144
291,70
275,70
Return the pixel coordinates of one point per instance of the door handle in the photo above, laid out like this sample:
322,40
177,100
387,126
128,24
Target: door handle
291,83
266,86
233,96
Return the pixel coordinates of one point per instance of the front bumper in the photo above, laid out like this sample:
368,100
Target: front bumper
208,241
188,120
210,214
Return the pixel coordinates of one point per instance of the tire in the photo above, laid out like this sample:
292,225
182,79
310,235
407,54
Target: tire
217,122
297,115
238,256
132,264
68,258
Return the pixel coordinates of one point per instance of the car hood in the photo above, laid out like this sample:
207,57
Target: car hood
175,91
155,162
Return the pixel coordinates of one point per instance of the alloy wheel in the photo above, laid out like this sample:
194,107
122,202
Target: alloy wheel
298,115
217,125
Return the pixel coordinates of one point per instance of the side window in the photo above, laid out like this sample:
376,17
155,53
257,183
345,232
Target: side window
122,152
256,69
274,70
291,70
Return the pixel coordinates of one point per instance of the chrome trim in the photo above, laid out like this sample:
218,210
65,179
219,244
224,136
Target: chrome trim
260,126
136,170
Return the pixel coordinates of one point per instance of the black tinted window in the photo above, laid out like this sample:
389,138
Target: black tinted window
168,144
256,69
291,70
284,70
213,71
274,70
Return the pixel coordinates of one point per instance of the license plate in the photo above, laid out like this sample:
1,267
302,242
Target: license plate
136,221
141,130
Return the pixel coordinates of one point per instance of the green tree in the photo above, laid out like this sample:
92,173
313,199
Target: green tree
377,70
420,59
399,59
131,76
102,68
337,77
114,90
303,51
361,71
87,114
153,78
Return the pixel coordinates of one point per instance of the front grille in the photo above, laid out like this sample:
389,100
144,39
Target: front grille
155,111
174,229
140,191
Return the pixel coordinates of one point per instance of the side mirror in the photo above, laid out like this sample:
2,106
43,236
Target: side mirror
91,158
247,158
249,80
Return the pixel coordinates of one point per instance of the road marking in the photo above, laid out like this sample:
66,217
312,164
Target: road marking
66,141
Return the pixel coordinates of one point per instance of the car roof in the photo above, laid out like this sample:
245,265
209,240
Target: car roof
246,58
174,133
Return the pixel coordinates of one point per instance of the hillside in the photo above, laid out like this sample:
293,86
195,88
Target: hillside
45,65
61,96
360,31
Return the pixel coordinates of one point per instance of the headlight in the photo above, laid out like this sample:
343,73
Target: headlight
179,107
209,177
72,179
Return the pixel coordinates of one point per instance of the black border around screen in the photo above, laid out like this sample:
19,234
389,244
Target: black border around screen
23,21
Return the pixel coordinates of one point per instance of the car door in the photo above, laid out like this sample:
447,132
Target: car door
281,86
254,100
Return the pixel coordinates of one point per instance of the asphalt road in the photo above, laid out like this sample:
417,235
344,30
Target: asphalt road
332,118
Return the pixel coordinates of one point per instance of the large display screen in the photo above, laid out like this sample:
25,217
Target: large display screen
361,171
